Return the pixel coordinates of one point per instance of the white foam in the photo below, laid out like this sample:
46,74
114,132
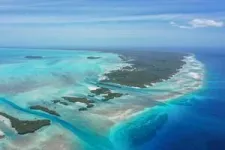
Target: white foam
189,78
2,134
93,88
6,121
80,104
195,75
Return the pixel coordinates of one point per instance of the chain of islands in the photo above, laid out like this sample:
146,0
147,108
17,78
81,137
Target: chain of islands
89,100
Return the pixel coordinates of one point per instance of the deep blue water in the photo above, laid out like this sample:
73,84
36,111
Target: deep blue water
195,121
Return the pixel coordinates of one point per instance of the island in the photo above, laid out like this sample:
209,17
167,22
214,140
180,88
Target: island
84,100
42,108
145,68
89,103
26,126
60,102
106,93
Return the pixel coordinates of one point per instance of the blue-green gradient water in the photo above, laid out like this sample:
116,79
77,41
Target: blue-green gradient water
195,121
191,119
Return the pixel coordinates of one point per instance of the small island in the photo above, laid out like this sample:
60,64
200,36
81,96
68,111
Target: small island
106,93
89,103
60,102
42,108
26,126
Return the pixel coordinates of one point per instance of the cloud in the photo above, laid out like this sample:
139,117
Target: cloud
44,19
199,23
180,26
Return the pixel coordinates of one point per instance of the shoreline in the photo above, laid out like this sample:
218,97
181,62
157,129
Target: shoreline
200,80
141,69
105,115
125,124
155,92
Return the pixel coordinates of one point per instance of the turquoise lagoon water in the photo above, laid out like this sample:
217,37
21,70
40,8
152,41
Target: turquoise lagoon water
134,121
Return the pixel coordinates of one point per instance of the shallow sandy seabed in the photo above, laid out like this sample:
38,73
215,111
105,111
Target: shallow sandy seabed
95,123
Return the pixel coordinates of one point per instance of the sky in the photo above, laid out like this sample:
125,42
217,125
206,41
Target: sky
112,23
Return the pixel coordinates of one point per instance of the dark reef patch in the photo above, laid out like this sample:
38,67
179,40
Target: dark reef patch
83,109
93,57
42,108
26,126
34,57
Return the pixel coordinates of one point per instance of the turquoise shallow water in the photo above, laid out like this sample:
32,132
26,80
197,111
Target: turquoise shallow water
25,82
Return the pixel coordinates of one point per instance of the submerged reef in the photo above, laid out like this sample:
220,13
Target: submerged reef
88,100
93,57
146,68
34,57
26,126
83,109
147,130
42,108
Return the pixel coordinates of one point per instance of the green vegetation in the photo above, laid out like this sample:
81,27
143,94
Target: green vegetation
101,90
83,109
26,126
61,102
147,67
112,96
42,108
107,94
81,100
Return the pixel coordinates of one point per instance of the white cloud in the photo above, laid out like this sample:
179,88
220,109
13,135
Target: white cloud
180,26
41,19
199,23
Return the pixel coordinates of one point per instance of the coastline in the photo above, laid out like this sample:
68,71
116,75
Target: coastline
124,103
163,91
135,117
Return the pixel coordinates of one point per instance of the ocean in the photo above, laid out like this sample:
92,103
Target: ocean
196,120
190,121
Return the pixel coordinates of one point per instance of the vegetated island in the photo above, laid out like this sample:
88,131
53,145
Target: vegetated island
84,100
42,108
26,126
60,102
106,93
147,67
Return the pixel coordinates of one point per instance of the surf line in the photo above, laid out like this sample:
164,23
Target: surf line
80,134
